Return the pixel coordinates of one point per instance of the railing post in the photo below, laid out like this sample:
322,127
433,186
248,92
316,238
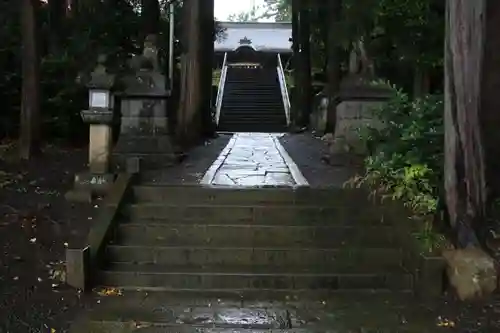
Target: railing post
284,89
220,90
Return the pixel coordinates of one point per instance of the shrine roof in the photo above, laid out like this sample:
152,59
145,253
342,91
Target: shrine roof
261,36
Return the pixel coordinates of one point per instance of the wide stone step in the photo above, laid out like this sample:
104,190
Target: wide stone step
244,278
251,91
263,215
255,125
267,114
251,86
338,259
251,101
223,312
254,82
254,235
255,108
135,326
302,196
252,128
235,118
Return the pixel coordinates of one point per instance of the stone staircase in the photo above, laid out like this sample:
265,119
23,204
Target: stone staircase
252,101
283,240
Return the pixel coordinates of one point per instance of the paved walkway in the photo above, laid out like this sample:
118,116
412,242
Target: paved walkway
254,160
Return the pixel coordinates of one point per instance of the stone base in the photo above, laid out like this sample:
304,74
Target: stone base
153,151
77,267
146,161
351,116
88,184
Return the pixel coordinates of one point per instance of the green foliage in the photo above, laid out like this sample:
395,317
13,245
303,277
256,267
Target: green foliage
406,157
399,35
279,10
406,154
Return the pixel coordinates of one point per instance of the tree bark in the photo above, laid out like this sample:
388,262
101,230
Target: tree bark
296,98
189,121
305,62
472,83
333,60
421,82
207,31
29,139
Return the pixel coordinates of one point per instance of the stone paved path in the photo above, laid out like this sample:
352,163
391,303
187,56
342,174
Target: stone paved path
254,159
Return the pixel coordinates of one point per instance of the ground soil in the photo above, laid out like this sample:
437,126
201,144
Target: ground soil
193,167
36,225
307,151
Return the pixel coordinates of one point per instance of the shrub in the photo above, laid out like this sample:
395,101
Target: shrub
405,158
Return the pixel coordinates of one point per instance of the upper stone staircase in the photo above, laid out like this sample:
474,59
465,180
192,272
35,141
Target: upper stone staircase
252,101
248,240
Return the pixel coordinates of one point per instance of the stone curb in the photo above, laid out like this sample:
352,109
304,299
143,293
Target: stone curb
81,263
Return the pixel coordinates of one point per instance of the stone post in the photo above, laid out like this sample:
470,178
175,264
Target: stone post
144,132
100,117
358,98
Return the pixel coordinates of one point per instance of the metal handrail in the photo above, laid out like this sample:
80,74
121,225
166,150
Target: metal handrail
284,89
220,91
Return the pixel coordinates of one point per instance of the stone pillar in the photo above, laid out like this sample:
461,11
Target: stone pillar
144,132
358,99
100,118
99,148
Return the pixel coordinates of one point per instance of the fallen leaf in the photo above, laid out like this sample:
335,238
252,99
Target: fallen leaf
110,292
443,322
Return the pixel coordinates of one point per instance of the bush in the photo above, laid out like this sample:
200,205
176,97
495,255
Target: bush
406,157
405,160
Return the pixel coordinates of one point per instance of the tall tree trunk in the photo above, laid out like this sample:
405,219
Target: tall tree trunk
189,120
421,82
333,60
296,99
57,14
323,21
472,83
150,16
305,62
29,139
207,31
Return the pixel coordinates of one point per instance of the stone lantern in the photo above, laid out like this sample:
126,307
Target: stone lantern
100,118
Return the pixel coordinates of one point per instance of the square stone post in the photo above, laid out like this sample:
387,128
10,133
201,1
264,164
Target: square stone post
100,117
144,126
358,100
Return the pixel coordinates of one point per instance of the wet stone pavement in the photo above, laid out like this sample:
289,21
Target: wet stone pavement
254,159
157,312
